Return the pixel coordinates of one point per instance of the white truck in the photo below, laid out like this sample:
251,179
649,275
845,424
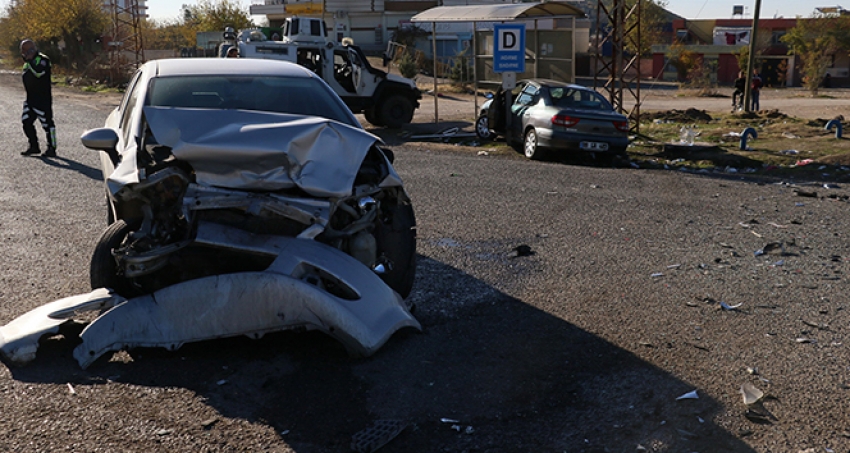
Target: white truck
385,99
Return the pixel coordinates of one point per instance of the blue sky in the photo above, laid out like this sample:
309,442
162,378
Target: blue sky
690,9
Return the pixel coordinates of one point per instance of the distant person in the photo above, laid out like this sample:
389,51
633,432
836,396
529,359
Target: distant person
738,95
755,89
39,102
233,52
827,81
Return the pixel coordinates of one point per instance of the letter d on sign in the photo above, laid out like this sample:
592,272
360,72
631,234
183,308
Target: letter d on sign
508,40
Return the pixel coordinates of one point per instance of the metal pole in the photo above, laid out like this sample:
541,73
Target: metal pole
752,60
434,50
573,55
475,71
536,48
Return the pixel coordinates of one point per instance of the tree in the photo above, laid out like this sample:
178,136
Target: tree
215,15
75,23
816,40
684,60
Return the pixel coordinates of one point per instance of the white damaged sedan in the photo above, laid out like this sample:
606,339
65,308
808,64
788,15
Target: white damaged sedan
244,198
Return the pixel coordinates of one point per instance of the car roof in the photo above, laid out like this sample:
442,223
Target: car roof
227,66
549,83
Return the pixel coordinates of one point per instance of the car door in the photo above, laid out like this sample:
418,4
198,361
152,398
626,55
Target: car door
524,102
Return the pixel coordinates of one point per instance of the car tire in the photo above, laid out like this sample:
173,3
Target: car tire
103,271
482,128
396,111
372,117
529,145
396,238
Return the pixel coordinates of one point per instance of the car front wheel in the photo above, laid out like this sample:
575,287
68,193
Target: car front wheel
482,128
532,151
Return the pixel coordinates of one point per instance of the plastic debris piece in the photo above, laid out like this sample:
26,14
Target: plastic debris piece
163,432
800,163
779,263
456,428
222,382
700,419
449,420
657,274
776,225
483,153
674,266
789,135
806,340
634,165
376,436
212,421
752,370
521,250
71,389
728,307
751,394
469,430
689,396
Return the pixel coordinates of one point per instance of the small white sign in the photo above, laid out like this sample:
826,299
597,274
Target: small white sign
508,80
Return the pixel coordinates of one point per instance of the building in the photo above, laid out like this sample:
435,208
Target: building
718,41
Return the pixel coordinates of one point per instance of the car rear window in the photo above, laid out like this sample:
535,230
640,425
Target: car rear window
571,98
300,96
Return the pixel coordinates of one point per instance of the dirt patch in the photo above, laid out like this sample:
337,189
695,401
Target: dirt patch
690,115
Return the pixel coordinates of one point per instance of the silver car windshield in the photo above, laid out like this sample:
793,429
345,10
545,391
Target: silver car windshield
294,95
571,98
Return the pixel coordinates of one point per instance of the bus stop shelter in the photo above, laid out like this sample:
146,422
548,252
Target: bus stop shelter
501,13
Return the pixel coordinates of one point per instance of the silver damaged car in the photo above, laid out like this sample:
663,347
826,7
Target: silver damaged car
243,198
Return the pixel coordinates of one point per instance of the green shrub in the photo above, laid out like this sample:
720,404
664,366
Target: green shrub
407,66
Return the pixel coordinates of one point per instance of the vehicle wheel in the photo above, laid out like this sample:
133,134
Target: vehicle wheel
396,237
103,271
482,128
529,145
372,117
396,111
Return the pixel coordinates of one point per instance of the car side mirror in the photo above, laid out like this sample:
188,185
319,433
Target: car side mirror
101,139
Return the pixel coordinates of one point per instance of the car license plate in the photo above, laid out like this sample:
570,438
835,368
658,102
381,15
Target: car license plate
594,146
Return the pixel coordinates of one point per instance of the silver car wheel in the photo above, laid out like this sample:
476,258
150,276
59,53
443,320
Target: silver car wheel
530,145
482,128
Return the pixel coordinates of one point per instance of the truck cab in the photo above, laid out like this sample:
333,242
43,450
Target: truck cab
385,99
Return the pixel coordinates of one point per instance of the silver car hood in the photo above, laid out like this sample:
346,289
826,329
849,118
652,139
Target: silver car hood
248,150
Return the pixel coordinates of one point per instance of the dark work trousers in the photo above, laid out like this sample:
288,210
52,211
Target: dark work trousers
44,113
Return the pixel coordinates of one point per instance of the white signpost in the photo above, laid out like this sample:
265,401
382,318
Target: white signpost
508,59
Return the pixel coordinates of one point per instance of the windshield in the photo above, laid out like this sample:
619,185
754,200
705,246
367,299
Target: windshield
571,98
294,95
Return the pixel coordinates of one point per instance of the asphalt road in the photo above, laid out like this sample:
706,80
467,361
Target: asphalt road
583,346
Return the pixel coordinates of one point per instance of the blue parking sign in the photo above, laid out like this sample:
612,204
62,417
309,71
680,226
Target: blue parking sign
509,48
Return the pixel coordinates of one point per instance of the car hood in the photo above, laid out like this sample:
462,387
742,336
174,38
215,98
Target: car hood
247,150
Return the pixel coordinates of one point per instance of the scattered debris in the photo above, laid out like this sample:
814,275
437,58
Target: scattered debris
806,340
808,323
800,163
163,432
689,396
449,420
753,371
376,436
657,274
674,266
221,382
521,250
71,389
483,153
789,152
728,307
806,193
208,423
751,394
773,248
789,135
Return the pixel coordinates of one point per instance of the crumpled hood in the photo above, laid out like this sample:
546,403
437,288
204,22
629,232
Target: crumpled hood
247,150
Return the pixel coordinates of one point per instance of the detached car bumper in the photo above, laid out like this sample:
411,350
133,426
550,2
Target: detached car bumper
361,312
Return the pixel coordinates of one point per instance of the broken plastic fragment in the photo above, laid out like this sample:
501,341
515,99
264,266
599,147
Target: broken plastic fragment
728,307
689,396
657,274
376,436
71,389
806,340
750,393
449,420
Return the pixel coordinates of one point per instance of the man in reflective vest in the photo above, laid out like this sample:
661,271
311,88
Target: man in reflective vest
39,102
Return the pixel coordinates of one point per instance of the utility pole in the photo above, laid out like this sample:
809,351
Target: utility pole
752,60
619,76
126,38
